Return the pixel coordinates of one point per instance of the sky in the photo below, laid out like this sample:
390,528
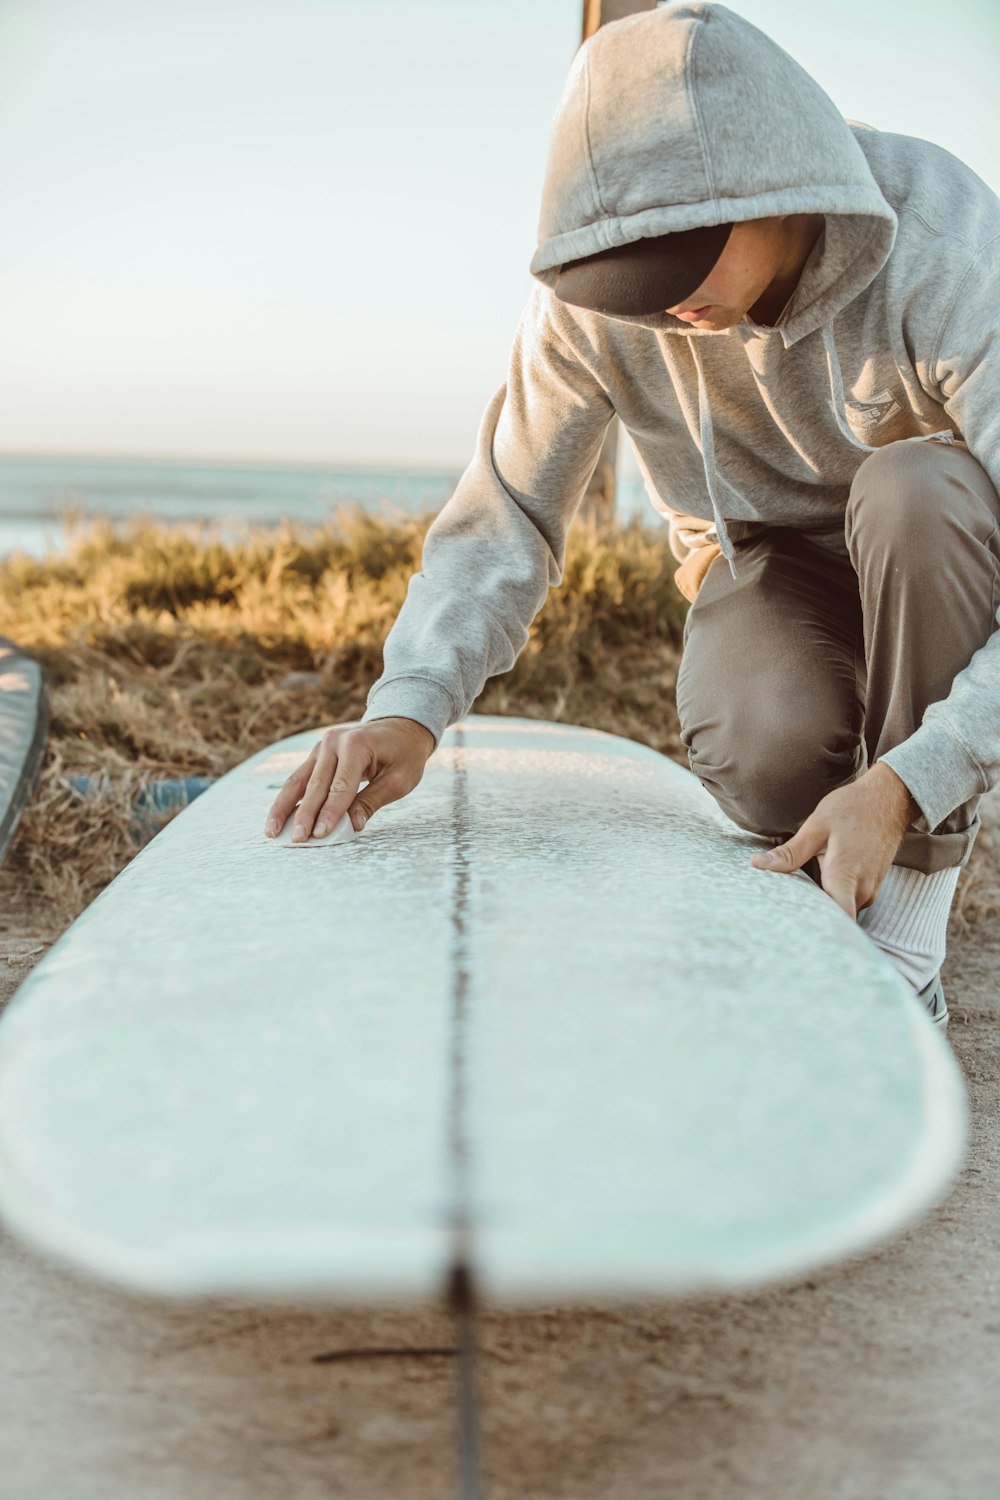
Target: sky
299,230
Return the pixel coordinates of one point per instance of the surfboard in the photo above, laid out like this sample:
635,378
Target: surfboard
541,1018
24,721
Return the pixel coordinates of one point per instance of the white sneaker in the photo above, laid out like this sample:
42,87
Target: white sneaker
932,996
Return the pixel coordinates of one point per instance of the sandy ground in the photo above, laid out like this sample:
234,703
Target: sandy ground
878,1380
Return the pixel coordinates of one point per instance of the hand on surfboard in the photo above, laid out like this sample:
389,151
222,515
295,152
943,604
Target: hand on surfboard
854,832
389,754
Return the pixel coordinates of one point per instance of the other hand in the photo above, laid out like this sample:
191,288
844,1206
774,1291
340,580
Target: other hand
854,832
390,754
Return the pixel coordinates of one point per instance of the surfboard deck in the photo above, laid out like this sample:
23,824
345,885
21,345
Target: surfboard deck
24,722
542,1006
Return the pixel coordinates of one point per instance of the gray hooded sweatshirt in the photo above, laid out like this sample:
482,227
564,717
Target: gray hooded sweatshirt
677,117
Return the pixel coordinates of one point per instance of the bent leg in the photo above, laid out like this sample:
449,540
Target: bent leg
767,690
922,531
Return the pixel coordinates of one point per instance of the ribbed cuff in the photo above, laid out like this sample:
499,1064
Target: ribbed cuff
909,920
419,698
937,769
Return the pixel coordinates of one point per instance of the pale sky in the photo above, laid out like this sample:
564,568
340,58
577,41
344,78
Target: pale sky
300,229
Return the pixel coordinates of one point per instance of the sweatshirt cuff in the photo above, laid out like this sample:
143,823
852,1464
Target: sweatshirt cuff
417,698
937,769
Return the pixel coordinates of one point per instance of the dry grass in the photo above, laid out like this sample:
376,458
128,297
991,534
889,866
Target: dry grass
171,652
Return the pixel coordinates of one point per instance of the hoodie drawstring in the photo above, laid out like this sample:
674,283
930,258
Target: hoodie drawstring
707,437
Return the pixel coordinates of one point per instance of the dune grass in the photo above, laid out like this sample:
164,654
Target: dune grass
172,652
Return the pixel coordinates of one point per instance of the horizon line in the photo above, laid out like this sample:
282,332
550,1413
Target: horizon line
225,461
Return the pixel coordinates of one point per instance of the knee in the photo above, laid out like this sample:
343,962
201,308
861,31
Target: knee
768,777
895,495
907,496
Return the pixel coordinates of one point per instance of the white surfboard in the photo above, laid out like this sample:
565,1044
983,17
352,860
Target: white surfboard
541,1015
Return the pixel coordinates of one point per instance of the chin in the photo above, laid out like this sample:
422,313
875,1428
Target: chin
719,317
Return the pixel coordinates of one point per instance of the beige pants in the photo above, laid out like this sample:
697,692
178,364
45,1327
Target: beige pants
819,658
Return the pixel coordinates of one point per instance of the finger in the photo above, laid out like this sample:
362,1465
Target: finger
318,785
290,793
353,766
795,852
865,900
388,786
843,887
864,888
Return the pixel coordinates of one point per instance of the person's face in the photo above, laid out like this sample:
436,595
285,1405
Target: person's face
756,256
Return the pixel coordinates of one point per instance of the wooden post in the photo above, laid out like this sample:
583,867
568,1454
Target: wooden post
598,12
599,501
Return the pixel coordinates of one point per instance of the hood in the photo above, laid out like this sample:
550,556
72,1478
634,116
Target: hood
688,115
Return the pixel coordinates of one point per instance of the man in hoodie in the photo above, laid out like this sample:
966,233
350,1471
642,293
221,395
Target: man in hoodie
796,319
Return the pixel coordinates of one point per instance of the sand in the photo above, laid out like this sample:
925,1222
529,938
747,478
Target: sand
876,1380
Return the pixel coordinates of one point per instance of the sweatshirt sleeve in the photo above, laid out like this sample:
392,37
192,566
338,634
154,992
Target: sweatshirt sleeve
954,754
499,543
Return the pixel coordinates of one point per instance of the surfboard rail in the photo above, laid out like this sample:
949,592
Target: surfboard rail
24,727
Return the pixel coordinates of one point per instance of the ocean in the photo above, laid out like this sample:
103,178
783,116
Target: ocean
37,495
